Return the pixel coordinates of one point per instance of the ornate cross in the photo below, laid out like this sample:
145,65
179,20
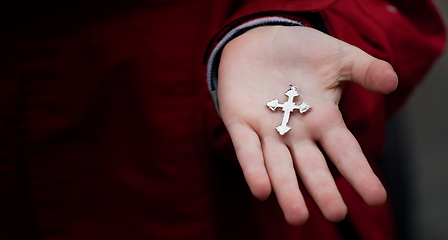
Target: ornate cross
288,107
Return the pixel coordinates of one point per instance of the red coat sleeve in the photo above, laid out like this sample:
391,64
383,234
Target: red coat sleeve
410,36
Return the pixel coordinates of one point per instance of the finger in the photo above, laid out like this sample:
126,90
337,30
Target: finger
371,73
313,171
284,181
249,153
346,154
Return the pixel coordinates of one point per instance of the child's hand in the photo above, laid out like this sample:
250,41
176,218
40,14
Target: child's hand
259,66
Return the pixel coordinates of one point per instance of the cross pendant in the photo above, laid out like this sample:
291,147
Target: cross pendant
288,107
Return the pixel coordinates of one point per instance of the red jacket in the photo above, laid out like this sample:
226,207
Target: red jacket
107,129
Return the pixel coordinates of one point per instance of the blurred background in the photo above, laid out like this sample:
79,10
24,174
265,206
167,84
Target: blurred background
416,159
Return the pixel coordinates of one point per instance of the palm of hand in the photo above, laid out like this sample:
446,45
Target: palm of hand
257,67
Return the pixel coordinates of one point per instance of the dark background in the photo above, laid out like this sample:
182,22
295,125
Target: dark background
422,127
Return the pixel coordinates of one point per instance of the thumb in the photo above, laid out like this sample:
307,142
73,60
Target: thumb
371,73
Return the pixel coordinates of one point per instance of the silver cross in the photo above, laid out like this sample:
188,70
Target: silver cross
288,107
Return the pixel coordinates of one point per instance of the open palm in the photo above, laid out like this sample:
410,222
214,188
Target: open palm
259,66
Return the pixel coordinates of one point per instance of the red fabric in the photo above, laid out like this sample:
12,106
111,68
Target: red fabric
107,130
